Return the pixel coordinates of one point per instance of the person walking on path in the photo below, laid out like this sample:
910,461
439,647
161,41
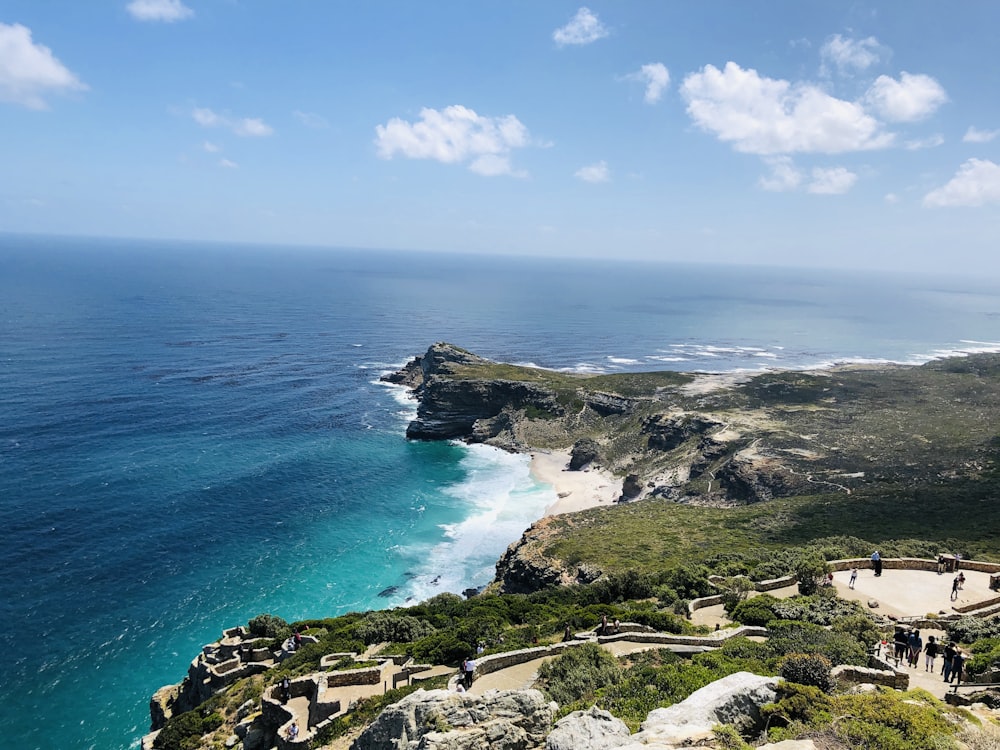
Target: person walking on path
949,660
956,667
930,651
954,589
877,563
470,668
916,646
854,577
899,645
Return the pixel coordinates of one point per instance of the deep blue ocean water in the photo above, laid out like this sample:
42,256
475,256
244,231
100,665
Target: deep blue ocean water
193,434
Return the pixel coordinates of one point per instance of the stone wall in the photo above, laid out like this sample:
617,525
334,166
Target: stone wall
886,677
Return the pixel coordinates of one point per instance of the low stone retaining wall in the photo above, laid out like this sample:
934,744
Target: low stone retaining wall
975,606
704,601
321,711
775,583
911,563
886,677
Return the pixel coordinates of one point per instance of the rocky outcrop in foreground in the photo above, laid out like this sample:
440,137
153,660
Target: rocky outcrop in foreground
442,720
522,720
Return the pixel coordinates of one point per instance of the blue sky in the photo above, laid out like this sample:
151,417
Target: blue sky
833,134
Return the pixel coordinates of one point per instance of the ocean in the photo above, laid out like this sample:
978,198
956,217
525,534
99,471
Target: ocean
194,434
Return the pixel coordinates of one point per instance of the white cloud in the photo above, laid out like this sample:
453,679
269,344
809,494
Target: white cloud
931,141
245,126
311,119
594,172
976,183
845,54
210,147
159,10
253,127
832,181
767,116
891,198
912,97
454,135
228,164
656,77
785,176
585,27
974,135
29,71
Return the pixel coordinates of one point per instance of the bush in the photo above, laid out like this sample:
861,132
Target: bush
269,626
807,669
689,581
378,627
441,648
757,611
972,629
810,571
578,673
184,732
793,637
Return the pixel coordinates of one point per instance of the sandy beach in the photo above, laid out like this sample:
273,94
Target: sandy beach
577,490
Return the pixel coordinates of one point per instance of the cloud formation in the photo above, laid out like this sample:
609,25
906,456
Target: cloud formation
766,116
850,54
976,183
247,127
975,135
832,181
167,11
786,177
585,27
29,71
594,173
454,135
656,77
913,97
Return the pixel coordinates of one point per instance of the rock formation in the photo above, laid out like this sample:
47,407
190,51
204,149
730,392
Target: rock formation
442,720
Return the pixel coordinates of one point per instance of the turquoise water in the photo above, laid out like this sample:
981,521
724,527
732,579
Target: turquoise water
192,435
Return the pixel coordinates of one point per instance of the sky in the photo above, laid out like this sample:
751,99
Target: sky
786,132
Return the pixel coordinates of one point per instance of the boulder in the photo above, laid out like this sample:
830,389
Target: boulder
733,700
442,720
588,730
631,488
789,745
585,451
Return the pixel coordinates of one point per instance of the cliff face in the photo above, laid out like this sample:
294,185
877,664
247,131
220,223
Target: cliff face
465,407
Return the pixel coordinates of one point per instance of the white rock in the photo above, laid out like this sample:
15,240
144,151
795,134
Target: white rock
588,730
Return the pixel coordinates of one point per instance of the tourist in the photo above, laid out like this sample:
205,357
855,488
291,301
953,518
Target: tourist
459,687
956,667
470,668
930,651
916,644
899,644
854,577
954,589
617,626
604,625
480,648
949,660
567,634
298,640
940,564
286,689
961,581
877,563
293,732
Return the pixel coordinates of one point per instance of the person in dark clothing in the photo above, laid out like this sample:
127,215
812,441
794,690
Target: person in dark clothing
930,652
286,689
956,667
949,661
900,645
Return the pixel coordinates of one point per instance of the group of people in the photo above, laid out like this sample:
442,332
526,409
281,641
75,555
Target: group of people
908,645
605,628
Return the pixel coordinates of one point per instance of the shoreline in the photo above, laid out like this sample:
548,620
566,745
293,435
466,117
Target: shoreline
576,490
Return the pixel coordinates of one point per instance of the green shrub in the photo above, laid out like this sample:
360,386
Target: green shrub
757,611
184,732
807,669
378,627
269,626
810,570
819,608
972,629
793,637
441,648
578,673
